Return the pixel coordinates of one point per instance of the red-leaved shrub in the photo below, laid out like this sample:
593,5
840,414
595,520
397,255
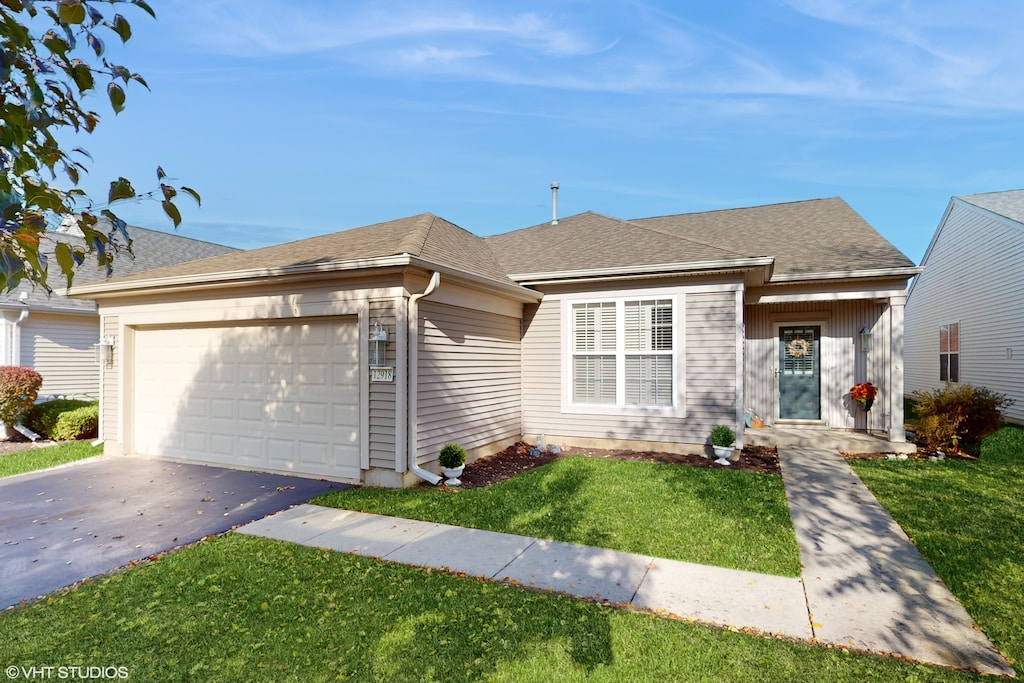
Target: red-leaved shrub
19,388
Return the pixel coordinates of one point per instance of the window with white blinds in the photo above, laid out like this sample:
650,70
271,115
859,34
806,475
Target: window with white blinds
623,352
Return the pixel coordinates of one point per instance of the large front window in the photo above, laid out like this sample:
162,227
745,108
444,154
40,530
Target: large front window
623,352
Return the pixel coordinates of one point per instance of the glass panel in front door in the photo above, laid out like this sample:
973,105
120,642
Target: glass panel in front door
800,372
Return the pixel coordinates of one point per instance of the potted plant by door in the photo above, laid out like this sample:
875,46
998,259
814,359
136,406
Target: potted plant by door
864,393
722,438
452,460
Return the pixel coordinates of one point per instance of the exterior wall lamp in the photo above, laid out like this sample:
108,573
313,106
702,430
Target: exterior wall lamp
105,352
865,339
378,344
378,353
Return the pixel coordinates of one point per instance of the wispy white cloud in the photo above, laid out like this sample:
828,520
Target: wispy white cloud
911,54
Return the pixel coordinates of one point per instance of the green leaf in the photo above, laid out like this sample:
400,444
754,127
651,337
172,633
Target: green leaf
94,42
168,191
82,75
192,193
121,27
172,212
71,11
142,4
160,173
116,95
139,79
55,43
65,260
120,189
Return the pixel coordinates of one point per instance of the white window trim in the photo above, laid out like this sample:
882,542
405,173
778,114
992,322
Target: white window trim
678,407
959,349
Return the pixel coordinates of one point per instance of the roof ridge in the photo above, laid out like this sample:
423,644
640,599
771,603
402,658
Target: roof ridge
683,239
414,242
744,208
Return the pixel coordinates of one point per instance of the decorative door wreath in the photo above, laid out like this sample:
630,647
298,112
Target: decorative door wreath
798,348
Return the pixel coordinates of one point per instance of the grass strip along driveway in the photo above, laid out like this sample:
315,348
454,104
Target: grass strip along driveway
738,520
47,456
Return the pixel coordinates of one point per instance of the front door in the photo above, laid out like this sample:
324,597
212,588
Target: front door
800,372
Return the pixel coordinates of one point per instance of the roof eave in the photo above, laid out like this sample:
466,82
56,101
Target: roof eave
658,269
902,271
510,289
231,278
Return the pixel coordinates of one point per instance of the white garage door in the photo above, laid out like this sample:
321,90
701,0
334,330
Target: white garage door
281,397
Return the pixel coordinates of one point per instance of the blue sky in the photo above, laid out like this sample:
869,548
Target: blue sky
296,118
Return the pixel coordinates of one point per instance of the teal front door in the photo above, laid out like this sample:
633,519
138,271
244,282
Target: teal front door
800,372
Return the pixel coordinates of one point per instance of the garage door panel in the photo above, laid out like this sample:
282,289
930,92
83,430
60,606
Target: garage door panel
281,397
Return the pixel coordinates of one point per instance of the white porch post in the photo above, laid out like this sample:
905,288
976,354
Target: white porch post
897,433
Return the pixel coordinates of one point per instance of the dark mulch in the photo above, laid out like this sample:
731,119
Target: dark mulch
18,443
919,455
516,459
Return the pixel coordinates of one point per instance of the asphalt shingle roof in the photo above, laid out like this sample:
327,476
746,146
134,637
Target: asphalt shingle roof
592,241
152,249
814,236
1009,203
424,236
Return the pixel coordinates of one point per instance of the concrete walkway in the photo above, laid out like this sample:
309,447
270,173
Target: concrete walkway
867,585
864,585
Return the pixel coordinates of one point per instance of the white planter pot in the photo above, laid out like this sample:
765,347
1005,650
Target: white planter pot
452,475
722,453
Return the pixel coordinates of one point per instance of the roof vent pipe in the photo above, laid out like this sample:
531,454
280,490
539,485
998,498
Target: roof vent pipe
554,203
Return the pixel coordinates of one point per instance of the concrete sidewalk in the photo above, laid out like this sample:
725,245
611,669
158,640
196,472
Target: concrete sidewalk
868,587
864,586
772,604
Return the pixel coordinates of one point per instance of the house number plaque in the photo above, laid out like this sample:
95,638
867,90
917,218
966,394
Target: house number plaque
382,374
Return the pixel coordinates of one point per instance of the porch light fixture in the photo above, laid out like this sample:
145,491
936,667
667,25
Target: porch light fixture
865,339
378,344
105,352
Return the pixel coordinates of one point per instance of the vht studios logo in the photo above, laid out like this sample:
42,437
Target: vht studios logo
67,673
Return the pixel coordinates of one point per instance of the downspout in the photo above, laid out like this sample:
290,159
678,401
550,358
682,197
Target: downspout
413,370
15,341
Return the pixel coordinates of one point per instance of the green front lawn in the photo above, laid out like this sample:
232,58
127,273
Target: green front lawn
237,608
719,517
48,456
967,518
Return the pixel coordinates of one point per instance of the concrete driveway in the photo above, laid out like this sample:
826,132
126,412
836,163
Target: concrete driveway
60,526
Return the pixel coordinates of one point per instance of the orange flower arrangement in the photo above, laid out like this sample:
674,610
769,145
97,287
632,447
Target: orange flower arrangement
864,392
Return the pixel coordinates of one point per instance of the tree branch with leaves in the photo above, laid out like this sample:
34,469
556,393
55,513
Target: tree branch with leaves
52,57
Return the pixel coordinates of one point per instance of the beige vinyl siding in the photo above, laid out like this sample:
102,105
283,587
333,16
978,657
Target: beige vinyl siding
110,377
711,333
843,363
469,378
706,357
972,275
60,348
383,446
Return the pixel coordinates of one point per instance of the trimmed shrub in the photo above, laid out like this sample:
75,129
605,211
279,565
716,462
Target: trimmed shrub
80,423
19,388
44,418
451,456
958,416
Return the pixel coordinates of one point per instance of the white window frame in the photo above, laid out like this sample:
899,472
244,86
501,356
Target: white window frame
948,327
677,353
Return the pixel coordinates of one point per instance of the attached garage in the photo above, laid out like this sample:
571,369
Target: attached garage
279,396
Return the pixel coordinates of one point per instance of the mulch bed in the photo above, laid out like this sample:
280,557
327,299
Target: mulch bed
516,459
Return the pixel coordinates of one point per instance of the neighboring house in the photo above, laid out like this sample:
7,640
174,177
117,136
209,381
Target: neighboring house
592,331
965,312
56,335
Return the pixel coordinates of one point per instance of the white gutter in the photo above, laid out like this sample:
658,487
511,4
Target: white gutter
412,370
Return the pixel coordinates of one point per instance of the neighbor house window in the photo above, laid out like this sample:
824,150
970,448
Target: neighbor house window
949,352
623,352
